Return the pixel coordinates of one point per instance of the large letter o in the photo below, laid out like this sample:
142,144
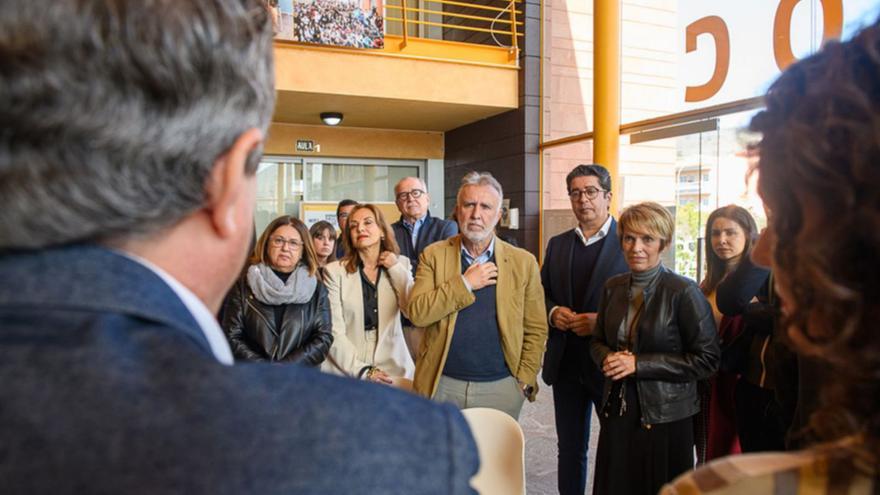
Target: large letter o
832,20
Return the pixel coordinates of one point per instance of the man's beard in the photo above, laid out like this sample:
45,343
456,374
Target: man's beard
477,237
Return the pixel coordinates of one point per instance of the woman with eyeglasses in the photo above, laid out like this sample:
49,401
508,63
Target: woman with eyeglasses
278,310
367,289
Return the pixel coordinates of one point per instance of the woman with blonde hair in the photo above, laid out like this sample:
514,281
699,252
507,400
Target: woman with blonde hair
367,289
654,338
278,310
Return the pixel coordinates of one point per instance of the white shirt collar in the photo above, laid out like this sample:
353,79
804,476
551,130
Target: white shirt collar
206,321
599,235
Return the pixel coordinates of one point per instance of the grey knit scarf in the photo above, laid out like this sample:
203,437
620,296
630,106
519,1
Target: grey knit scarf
269,289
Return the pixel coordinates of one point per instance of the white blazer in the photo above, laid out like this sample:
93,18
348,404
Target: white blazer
347,311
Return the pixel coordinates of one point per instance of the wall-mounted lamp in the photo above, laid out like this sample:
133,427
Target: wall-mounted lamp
331,118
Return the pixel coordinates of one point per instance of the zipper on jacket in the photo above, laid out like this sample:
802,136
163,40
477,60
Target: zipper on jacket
272,355
262,317
763,363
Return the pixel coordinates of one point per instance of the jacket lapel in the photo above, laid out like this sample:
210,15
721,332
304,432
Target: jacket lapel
354,294
567,252
604,262
503,287
423,232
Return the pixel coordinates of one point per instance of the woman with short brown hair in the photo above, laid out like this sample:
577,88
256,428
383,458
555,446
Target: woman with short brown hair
367,289
654,338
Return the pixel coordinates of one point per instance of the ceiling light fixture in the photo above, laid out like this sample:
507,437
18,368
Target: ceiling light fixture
331,118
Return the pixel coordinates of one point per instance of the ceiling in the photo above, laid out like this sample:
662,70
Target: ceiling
375,112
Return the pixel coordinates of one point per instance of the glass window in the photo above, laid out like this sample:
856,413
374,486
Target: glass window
689,54
667,171
283,183
279,190
369,183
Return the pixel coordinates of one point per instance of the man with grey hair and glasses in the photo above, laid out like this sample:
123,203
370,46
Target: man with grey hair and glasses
415,231
483,305
131,134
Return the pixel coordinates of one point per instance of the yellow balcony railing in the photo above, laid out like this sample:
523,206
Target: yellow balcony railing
452,20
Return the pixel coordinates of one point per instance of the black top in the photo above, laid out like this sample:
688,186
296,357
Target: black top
371,300
583,260
278,309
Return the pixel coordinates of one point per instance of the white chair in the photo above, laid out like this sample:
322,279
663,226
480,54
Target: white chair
501,446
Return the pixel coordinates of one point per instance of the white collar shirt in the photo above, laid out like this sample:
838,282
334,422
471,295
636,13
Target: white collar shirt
598,236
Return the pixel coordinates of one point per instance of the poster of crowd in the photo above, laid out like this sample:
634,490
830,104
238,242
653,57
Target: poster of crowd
351,23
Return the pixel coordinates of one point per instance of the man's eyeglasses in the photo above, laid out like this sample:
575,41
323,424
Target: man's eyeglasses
293,244
589,192
414,194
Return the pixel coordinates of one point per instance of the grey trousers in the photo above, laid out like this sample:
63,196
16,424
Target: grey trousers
504,394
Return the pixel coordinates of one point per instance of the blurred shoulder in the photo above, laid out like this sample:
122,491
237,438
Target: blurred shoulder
780,473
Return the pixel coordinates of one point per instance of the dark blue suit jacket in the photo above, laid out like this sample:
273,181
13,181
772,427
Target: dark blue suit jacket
556,277
434,229
107,385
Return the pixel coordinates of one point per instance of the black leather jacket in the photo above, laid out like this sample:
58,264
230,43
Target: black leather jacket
305,335
676,343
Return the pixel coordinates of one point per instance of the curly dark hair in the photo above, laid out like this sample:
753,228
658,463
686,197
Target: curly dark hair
819,176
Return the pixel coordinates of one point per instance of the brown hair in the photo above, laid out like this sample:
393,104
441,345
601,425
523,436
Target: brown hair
819,173
351,259
716,268
648,218
319,228
261,249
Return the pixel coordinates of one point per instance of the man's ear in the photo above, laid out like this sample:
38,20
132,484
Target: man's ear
228,183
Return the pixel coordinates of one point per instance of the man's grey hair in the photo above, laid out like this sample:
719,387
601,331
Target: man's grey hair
421,183
480,179
114,112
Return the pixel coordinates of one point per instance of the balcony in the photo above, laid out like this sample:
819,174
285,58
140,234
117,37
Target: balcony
445,64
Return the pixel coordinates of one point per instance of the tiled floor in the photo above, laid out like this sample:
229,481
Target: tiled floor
538,426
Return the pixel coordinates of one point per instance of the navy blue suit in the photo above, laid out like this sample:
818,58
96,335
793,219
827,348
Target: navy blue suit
107,385
432,230
575,379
